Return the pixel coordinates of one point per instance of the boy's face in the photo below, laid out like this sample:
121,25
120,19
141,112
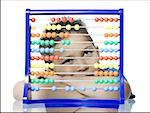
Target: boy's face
78,53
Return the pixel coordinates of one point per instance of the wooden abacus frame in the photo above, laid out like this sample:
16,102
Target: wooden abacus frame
73,102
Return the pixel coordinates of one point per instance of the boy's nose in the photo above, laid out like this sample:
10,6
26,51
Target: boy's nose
82,68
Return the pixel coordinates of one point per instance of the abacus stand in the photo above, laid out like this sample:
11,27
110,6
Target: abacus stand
73,102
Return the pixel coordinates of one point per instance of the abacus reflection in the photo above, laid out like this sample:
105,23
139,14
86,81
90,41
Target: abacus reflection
74,56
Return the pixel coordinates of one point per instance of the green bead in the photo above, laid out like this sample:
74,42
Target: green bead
101,81
110,81
96,81
47,42
106,42
36,80
33,42
115,81
52,42
42,42
46,81
111,42
32,80
37,42
106,81
41,80
116,42
51,81
63,42
68,42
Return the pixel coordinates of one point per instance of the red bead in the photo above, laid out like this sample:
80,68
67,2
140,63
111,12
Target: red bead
32,57
51,57
37,57
53,19
110,58
42,57
116,35
111,34
101,19
66,34
71,20
116,58
96,19
46,58
56,57
64,19
106,19
116,19
101,57
33,19
58,20
111,19
106,58
106,34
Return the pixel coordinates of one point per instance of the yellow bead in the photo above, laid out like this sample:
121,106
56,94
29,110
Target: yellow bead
68,27
48,27
53,27
47,65
52,66
32,66
96,65
58,27
44,27
37,65
76,27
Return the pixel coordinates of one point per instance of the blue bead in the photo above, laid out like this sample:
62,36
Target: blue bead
67,88
110,89
47,50
37,50
106,50
94,88
37,88
101,50
82,88
32,50
116,50
106,88
62,50
116,89
54,88
42,50
111,50
32,88
51,50
72,88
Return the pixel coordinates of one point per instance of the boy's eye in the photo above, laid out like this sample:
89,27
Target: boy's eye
87,53
70,61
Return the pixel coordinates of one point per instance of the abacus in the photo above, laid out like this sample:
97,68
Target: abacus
55,41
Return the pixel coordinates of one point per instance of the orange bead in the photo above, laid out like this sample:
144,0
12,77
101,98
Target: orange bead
37,57
33,19
53,34
111,19
37,73
106,19
32,73
111,34
116,58
46,58
101,73
64,19
105,73
37,34
71,20
46,73
32,57
44,35
110,73
106,35
67,35
106,57
115,73
32,35
58,20
101,19
116,35
116,19
110,58
61,34
101,57
49,35
42,73
51,57
56,57
42,57
51,73
96,73
96,19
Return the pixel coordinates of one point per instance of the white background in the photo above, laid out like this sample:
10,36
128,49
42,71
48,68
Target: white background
136,44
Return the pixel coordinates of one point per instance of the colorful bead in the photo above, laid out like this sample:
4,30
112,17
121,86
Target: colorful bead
58,20
37,81
106,88
67,34
51,81
67,88
33,19
47,42
37,34
116,19
106,42
106,81
53,34
115,81
64,19
48,27
101,19
63,42
96,73
94,88
47,50
56,57
42,42
46,58
42,50
82,88
96,65
49,35
61,34
111,19
53,19
52,42
52,66
54,88
72,88
115,73
46,81
33,42
77,27
96,19
51,57
68,27
101,81
62,50
115,88
96,81
32,35
51,50
41,80
71,20
58,27
68,42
